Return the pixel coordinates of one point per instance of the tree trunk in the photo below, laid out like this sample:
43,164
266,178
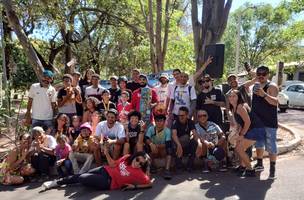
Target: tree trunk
214,21
166,33
7,37
158,38
24,41
151,37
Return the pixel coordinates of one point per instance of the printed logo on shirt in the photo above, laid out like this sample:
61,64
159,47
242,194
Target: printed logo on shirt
132,134
180,97
123,169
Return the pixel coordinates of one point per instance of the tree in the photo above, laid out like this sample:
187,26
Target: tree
211,27
267,33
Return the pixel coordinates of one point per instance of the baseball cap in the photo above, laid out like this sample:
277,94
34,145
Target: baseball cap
164,75
86,125
48,73
206,76
114,77
143,76
76,73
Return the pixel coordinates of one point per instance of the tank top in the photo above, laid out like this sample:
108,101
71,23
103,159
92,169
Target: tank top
266,112
254,119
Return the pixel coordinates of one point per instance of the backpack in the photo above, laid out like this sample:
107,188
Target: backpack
189,90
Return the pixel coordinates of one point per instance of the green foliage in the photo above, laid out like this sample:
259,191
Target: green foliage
268,34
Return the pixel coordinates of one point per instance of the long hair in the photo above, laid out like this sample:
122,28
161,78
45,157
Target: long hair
146,167
240,100
65,127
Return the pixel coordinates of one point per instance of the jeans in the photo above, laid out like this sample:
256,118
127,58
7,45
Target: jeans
270,142
97,178
42,162
67,164
42,123
87,158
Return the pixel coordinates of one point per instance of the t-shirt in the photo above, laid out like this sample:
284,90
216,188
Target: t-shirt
116,132
83,143
123,174
182,97
94,92
123,111
63,153
133,133
214,112
162,93
183,129
42,101
136,98
102,108
171,87
158,137
115,94
131,85
49,142
69,106
210,133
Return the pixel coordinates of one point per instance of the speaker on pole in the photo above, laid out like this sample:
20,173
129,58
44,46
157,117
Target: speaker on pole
216,68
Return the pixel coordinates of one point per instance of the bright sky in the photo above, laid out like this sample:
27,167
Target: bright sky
237,3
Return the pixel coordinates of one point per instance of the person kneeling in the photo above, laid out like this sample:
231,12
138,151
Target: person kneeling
158,139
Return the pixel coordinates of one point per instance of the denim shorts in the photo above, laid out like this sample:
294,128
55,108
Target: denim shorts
270,141
257,134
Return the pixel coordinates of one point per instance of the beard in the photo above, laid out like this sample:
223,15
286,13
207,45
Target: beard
206,86
143,85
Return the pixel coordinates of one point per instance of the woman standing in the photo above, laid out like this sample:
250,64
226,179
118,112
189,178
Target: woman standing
17,163
128,172
251,129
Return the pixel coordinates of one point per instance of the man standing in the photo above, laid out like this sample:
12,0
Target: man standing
134,83
211,100
264,104
162,93
114,90
42,102
95,89
183,95
68,96
144,100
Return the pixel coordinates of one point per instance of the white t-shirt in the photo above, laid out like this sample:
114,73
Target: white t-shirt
91,91
162,93
116,132
181,97
171,87
42,101
50,142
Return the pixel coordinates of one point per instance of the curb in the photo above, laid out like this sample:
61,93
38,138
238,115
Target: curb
292,144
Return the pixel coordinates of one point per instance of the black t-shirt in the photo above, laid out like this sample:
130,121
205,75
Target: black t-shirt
183,129
83,84
133,133
214,112
102,108
131,85
115,94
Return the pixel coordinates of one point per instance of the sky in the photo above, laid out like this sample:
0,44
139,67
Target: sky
237,3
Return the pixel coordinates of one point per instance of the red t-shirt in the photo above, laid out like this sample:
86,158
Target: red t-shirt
123,111
123,174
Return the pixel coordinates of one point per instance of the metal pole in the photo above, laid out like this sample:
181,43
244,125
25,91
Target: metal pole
237,49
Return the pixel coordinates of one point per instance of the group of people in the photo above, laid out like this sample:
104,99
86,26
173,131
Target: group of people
124,129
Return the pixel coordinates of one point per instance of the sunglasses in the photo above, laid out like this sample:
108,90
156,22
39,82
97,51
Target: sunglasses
203,115
140,163
205,81
181,115
261,73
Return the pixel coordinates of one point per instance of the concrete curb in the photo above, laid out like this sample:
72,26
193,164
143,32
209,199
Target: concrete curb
293,143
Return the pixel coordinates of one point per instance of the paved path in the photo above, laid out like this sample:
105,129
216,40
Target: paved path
195,186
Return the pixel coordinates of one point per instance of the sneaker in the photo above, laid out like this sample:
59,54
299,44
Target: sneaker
249,173
167,175
49,184
223,167
239,169
258,168
207,168
272,175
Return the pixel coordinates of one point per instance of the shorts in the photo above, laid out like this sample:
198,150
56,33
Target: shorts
257,134
270,141
168,147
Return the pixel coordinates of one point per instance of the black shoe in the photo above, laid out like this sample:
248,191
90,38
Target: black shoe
167,175
272,175
190,164
258,167
249,173
239,169
153,169
179,164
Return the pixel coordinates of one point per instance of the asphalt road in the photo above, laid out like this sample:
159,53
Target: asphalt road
216,185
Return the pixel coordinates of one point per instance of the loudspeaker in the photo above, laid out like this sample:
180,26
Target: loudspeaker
216,68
